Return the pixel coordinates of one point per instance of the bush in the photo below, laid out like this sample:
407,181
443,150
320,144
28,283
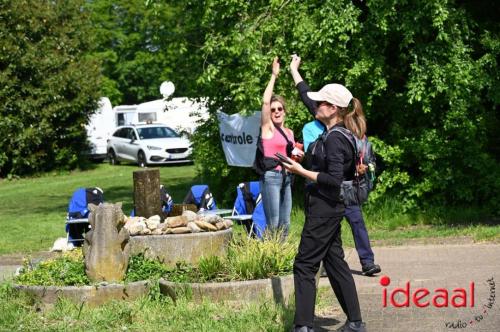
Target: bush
247,259
49,85
142,268
67,270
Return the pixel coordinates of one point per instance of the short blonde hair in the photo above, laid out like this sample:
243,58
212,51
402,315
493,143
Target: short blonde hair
280,100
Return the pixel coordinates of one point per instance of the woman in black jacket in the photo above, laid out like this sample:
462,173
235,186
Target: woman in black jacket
333,161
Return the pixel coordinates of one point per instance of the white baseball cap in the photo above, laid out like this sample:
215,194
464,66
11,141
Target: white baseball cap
335,94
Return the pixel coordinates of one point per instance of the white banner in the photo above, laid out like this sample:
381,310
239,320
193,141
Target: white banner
238,135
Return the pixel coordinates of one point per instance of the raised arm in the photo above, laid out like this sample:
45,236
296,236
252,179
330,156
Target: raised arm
294,69
266,123
301,85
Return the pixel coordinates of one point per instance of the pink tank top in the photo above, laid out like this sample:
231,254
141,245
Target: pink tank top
277,143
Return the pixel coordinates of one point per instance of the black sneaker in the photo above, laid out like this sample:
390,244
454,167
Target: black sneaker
353,327
370,269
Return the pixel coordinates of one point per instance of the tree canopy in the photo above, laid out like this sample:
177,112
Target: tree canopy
142,43
426,72
49,86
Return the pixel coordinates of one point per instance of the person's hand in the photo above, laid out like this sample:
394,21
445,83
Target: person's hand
292,166
297,152
361,169
295,63
276,66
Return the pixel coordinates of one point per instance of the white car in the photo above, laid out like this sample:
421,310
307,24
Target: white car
148,144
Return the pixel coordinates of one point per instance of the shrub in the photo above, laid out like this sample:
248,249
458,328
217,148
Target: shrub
247,259
142,268
67,270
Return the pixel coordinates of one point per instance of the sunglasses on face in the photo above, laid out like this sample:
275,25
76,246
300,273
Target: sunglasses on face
273,109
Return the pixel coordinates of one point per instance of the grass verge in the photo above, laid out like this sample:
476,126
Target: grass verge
150,313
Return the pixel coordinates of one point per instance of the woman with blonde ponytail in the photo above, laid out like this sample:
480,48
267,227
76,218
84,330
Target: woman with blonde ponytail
354,119
333,161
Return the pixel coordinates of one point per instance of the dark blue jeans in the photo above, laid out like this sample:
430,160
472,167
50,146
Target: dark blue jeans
354,216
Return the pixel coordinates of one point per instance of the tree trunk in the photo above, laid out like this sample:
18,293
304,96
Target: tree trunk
147,201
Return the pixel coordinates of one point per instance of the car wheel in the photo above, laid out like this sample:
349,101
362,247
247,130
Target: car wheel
112,157
141,159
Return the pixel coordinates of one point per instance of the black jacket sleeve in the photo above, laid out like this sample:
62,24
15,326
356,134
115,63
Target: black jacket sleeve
336,152
303,89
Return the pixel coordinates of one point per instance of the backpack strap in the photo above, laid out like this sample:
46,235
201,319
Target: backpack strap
362,145
347,134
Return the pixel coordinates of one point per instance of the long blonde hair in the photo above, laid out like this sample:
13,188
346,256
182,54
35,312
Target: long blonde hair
354,119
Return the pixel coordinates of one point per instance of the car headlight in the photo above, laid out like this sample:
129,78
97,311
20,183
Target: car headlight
151,147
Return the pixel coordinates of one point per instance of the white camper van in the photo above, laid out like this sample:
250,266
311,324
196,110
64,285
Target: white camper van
181,114
101,125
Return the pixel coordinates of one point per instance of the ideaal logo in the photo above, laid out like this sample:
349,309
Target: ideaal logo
439,298
422,297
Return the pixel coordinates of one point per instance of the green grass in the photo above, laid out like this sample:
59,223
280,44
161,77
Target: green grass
388,224
150,313
32,210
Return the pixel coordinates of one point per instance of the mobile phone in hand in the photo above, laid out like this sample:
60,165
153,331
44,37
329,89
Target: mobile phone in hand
282,158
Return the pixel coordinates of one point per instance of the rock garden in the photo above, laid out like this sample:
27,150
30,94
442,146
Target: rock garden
192,255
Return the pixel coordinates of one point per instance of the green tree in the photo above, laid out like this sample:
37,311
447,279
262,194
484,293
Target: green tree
426,72
48,86
142,43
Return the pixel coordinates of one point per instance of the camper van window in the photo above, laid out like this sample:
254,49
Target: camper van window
121,119
147,117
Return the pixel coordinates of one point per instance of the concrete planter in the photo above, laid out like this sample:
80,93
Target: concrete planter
278,289
171,248
91,295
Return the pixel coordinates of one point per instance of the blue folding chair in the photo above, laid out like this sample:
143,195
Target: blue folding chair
77,221
248,208
201,196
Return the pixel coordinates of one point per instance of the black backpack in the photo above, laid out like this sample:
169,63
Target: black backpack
352,192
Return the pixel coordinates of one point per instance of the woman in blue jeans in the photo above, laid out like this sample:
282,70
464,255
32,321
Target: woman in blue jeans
275,183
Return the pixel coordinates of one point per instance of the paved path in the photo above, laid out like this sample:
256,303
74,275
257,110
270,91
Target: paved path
431,267
423,266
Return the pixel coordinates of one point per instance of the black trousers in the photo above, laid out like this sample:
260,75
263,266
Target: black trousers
321,240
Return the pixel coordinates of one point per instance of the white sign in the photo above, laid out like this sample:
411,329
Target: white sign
238,135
